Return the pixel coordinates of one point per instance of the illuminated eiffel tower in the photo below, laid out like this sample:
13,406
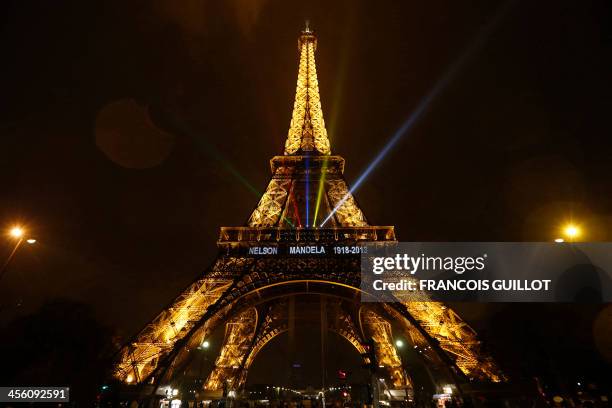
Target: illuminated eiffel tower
298,245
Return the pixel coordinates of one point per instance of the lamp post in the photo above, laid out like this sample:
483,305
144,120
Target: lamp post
16,233
399,345
570,233
204,347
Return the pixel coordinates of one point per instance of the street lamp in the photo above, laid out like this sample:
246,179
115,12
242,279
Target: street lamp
16,233
571,231
204,347
399,343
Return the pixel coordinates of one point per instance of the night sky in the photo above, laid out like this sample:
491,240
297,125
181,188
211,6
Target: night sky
131,131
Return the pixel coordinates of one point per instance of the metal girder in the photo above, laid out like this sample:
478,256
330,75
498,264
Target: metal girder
140,357
348,213
235,360
271,204
341,322
246,335
379,329
239,333
456,338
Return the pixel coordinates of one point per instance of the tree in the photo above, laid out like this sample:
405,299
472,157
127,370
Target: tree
61,344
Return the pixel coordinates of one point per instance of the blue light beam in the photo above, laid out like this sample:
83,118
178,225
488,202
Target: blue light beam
424,104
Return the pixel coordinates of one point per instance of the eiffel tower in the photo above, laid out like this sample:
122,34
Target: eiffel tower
296,247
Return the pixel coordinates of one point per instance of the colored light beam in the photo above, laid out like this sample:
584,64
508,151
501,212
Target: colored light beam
424,104
343,64
320,190
296,211
333,124
183,127
307,162
335,111
288,221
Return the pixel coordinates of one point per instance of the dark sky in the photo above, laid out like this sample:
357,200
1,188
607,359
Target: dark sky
131,131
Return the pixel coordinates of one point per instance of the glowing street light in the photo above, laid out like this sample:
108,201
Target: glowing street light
205,344
571,231
399,343
16,232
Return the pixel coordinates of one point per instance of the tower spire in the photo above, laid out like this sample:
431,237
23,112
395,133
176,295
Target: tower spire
307,133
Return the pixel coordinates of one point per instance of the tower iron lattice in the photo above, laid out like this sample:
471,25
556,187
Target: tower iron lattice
258,268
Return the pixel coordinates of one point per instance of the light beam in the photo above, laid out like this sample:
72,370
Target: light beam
307,162
320,190
424,104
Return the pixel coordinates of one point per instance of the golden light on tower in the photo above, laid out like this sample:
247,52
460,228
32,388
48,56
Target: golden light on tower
307,128
306,161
